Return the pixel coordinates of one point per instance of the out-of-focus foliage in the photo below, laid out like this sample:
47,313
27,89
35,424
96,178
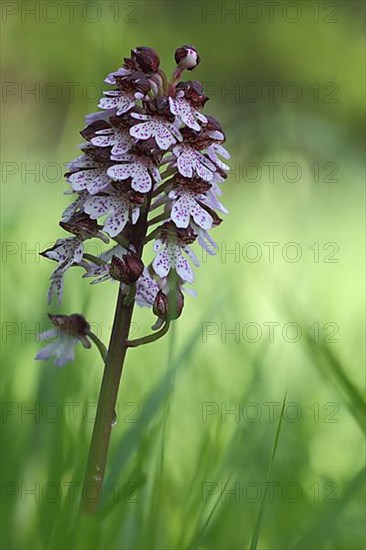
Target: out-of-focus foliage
199,408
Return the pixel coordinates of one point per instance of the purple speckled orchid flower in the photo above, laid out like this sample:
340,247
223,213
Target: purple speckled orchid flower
150,169
148,177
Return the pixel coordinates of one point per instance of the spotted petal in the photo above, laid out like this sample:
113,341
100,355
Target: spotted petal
75,206
189,161
137,171
164,132
185,207
56,287
120,141
83,161
116,205
94,180
122,102
146,290
162,263
184,270
181,108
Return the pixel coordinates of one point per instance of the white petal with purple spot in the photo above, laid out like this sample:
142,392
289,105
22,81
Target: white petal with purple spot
189,161
186,206
75,206
181,108
146,290
94,180
184,270
116,205
116,99
163,131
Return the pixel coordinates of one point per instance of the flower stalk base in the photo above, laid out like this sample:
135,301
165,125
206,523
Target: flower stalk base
93,482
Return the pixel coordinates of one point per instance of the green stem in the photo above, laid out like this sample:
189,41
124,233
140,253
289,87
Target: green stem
122,241
164,79
130,296
97,459
150,338
94,259
152,235
161,188
101,347
159,218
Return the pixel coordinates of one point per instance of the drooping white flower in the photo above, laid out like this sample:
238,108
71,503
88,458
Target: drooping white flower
68,332
66,252
216,149
116,204
187,114
62,349
141,169
164,132
191,162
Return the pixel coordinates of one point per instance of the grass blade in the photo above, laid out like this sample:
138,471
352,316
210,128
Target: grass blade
258,523
331,367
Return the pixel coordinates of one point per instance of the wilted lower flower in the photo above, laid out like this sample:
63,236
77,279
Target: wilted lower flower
69,330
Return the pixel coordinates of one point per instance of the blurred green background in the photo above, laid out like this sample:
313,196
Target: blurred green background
286,80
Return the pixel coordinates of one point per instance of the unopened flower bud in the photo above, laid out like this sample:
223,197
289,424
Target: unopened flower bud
127,269
169,307
187,57
160,307
146,59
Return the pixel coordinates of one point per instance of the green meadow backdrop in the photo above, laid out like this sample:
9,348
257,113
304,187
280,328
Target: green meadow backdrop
199,457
